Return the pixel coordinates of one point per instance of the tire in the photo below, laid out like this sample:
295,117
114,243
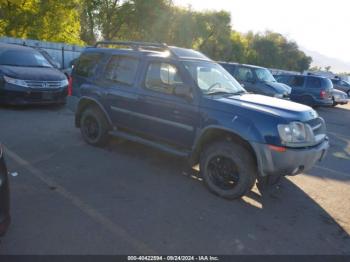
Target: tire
334,103
236,166
94,127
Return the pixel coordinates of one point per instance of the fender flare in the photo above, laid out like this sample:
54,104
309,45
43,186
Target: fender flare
84,102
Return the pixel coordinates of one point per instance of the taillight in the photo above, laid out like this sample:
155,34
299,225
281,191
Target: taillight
70,86
323,94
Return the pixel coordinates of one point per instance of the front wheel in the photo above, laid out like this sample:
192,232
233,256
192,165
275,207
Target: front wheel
228,169
94,127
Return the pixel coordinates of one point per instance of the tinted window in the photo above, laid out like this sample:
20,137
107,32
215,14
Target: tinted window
162,77
335,81
283,79
326,83
343,83
244,74
87,64
20,57
122,69
297,81
314,82
229,68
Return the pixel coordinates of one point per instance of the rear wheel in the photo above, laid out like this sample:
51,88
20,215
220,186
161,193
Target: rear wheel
94,127
228,169
334,103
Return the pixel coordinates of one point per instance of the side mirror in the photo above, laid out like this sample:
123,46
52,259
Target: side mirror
183,91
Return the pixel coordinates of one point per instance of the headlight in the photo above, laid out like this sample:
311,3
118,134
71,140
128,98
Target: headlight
17,82
64,83
295,133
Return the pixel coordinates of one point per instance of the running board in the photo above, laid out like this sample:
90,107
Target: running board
162,147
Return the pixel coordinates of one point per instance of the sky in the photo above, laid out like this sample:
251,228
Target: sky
318,25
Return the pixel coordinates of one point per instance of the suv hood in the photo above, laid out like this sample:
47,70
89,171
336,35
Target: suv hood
32,73
273,106
279,87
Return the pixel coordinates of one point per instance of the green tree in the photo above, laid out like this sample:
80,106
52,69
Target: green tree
48,20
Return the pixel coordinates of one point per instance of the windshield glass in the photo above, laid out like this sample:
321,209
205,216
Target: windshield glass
23,58
211,78
264,75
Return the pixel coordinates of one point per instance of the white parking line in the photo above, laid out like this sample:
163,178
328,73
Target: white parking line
339,173
84,207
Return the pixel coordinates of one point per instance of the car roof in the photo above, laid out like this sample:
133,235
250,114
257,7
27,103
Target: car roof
170,51
15,47
238,64
316,76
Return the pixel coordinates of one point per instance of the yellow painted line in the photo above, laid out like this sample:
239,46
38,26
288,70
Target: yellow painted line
84,207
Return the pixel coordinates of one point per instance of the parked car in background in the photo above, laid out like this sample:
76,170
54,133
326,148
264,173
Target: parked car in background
26,77
341,85
339,97
179,101
308,89
257,80
4,195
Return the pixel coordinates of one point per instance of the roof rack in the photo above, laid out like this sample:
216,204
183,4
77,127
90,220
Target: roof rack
135,45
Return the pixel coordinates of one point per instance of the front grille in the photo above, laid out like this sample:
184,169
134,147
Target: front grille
318,126
43,84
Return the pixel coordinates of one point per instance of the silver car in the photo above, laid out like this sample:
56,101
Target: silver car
339,97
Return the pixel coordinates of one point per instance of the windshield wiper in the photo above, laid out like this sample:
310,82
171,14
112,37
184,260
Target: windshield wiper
41,66
240,92
219,92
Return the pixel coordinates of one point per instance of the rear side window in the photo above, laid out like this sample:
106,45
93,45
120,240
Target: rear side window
122,69
283,79
87,64
314,82
297,81
326,83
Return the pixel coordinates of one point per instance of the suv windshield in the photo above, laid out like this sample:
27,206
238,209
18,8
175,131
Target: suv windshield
264,75
211,78
23,58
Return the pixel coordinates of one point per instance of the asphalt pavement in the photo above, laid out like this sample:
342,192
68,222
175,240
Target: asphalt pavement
70,198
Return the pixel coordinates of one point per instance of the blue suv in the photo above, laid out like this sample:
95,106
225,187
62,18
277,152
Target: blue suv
309,89
181,102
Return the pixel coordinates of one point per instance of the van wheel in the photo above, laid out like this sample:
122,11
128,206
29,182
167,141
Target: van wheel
94,127
334,103
228,169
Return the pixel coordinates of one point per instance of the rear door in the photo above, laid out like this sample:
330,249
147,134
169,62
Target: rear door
297,83
119,92
85,71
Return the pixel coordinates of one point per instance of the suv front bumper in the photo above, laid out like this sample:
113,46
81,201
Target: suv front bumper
293,161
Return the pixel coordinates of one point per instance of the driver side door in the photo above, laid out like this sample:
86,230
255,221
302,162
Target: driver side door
245,76
165,116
